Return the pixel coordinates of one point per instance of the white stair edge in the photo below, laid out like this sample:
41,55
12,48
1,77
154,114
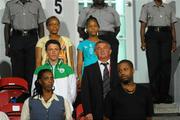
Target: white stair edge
166,108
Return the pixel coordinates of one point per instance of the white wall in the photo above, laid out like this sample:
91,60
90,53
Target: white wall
141,75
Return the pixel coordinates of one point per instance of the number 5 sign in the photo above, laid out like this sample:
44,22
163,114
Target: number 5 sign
53,7
61,9
58,6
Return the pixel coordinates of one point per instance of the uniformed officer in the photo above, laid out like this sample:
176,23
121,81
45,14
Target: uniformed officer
159,41
109,21
23,21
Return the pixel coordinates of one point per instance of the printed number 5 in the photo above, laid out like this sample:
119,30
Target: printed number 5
58,5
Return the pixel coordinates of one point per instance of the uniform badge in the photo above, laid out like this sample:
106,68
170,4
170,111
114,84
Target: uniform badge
61,70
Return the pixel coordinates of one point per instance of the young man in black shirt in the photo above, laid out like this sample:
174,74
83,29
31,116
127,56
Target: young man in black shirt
129,101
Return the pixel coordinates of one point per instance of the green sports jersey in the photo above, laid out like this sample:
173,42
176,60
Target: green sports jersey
64,79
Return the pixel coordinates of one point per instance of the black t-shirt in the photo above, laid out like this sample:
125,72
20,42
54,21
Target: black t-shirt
119,105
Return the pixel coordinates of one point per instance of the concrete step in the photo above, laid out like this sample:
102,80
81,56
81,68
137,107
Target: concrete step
166,117
166,108
166,111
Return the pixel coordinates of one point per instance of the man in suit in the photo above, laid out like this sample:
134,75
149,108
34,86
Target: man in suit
98,79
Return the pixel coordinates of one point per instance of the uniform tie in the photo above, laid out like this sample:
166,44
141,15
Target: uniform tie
106,80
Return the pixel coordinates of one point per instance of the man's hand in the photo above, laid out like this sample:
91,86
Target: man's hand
89,116
173,49
7,34
7,51
143,46
142,35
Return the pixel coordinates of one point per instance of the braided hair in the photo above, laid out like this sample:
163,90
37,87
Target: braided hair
38,88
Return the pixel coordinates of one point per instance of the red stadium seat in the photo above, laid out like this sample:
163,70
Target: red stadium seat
11,89
13,83
79,112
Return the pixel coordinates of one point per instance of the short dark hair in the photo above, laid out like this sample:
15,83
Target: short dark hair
50,18
91,18
128,62
38,88
101,41
52,42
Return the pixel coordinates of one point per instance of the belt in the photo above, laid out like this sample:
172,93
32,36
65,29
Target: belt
106,33
159,28
24,32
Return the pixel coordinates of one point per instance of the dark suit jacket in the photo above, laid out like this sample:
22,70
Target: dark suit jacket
92,89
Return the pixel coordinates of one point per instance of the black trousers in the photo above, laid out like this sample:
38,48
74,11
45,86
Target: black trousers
113,41
22,53
158,53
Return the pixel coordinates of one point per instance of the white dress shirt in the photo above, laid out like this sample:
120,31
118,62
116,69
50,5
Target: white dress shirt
3,116
101,66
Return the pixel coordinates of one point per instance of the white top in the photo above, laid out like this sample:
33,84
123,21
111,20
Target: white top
3,116
102,66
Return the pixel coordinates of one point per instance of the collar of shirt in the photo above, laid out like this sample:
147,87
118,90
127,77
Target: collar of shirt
54,97
59,62
108,61
53,68
48,103
102,66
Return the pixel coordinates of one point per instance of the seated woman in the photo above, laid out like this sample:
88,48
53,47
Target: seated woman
66,54
45,104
